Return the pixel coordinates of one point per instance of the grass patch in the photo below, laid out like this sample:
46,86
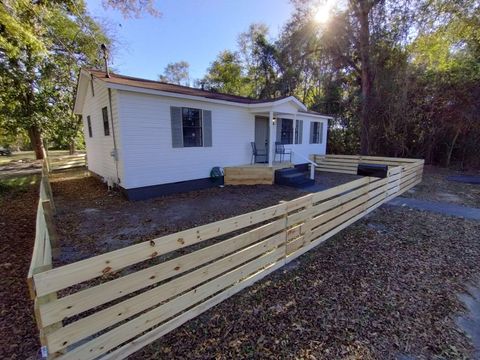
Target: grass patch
16,184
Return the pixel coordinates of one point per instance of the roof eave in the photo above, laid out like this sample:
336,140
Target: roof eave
80,91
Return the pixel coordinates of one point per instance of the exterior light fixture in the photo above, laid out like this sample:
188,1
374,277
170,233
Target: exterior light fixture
274,121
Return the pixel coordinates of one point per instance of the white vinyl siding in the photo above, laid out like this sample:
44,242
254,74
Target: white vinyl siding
100,147
149,153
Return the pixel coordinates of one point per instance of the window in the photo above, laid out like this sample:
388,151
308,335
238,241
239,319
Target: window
192,127
316,132
286,134
89,124
298,131
106,125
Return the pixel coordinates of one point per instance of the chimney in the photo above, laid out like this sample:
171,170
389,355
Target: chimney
105,59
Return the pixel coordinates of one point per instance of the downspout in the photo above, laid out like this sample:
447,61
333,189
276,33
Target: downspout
115,151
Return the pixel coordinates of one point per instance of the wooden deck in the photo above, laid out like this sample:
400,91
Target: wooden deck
255,174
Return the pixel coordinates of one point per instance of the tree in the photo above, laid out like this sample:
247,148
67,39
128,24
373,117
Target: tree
39,66
225,75
362,10
132,8
176,73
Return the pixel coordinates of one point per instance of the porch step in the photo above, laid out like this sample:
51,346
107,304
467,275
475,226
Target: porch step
292,177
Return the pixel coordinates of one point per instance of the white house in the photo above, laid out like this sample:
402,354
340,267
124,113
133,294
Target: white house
151,138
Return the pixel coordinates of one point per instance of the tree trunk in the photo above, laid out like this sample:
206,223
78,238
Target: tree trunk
71,147
452,145
36,140
362,10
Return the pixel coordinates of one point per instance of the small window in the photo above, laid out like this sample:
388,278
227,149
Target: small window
287,131
89,124
106,125
192,127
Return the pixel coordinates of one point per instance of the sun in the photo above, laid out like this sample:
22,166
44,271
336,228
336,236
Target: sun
323,11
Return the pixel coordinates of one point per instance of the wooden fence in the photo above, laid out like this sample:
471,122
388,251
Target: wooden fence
347,164
67,162
113,304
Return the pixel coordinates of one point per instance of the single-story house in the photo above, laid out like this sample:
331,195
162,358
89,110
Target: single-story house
151,138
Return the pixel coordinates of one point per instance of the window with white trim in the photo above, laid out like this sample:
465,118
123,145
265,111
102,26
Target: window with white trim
316,132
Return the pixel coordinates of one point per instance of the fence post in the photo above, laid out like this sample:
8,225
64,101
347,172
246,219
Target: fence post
51,228
44,331
48,190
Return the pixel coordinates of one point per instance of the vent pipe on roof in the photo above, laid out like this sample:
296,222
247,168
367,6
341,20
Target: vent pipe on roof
105,59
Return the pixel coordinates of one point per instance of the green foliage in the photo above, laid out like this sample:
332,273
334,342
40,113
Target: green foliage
176,73
39,66
225,75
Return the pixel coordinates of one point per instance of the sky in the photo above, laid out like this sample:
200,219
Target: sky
191,30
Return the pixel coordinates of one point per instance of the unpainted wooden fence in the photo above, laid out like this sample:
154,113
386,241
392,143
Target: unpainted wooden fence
66,162
113,304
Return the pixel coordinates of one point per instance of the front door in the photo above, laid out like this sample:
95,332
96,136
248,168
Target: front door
261,137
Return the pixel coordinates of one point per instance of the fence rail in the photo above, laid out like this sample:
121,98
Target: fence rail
67,162
115,303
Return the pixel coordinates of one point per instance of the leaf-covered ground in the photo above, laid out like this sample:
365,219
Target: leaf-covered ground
436,187
18,205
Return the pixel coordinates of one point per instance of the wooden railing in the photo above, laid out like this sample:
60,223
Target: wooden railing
67,162
115,303
348,163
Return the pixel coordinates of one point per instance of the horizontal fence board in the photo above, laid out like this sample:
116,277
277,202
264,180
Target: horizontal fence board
361,157
335,202
337,190
336,212
71,274
100,320
349,172
158,332
125,332
97,295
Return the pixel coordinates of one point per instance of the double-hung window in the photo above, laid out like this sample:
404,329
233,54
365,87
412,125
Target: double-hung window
316,132
298,131
192,127
286,132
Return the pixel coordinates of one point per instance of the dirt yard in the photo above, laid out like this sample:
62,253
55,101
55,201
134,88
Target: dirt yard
384,288
436,187
93,221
